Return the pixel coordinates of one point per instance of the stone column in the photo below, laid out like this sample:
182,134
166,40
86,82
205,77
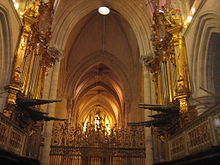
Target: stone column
49,93
148,99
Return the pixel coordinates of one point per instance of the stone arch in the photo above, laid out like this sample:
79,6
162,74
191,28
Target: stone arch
207,24
201,59
5,54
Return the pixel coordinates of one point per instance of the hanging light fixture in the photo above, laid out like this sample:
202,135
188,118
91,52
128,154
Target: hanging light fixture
104,10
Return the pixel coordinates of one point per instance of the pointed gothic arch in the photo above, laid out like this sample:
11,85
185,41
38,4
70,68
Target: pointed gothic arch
5,53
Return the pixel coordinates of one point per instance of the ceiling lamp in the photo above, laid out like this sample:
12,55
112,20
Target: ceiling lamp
104,10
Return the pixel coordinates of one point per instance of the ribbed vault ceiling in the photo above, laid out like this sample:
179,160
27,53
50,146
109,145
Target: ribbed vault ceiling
101,67
71,12
98,86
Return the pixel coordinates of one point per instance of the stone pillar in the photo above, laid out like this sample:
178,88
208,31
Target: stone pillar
148,99
49,93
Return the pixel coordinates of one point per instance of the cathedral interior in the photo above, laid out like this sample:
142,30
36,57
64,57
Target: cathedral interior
109,82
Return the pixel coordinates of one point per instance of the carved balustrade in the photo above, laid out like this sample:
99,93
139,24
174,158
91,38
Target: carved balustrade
199,135
24,143
12,138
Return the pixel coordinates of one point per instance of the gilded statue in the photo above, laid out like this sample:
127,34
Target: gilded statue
171,16
32,9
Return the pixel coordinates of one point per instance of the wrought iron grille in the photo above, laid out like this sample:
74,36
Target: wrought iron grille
75,146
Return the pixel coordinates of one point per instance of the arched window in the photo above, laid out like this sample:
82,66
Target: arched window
214,61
